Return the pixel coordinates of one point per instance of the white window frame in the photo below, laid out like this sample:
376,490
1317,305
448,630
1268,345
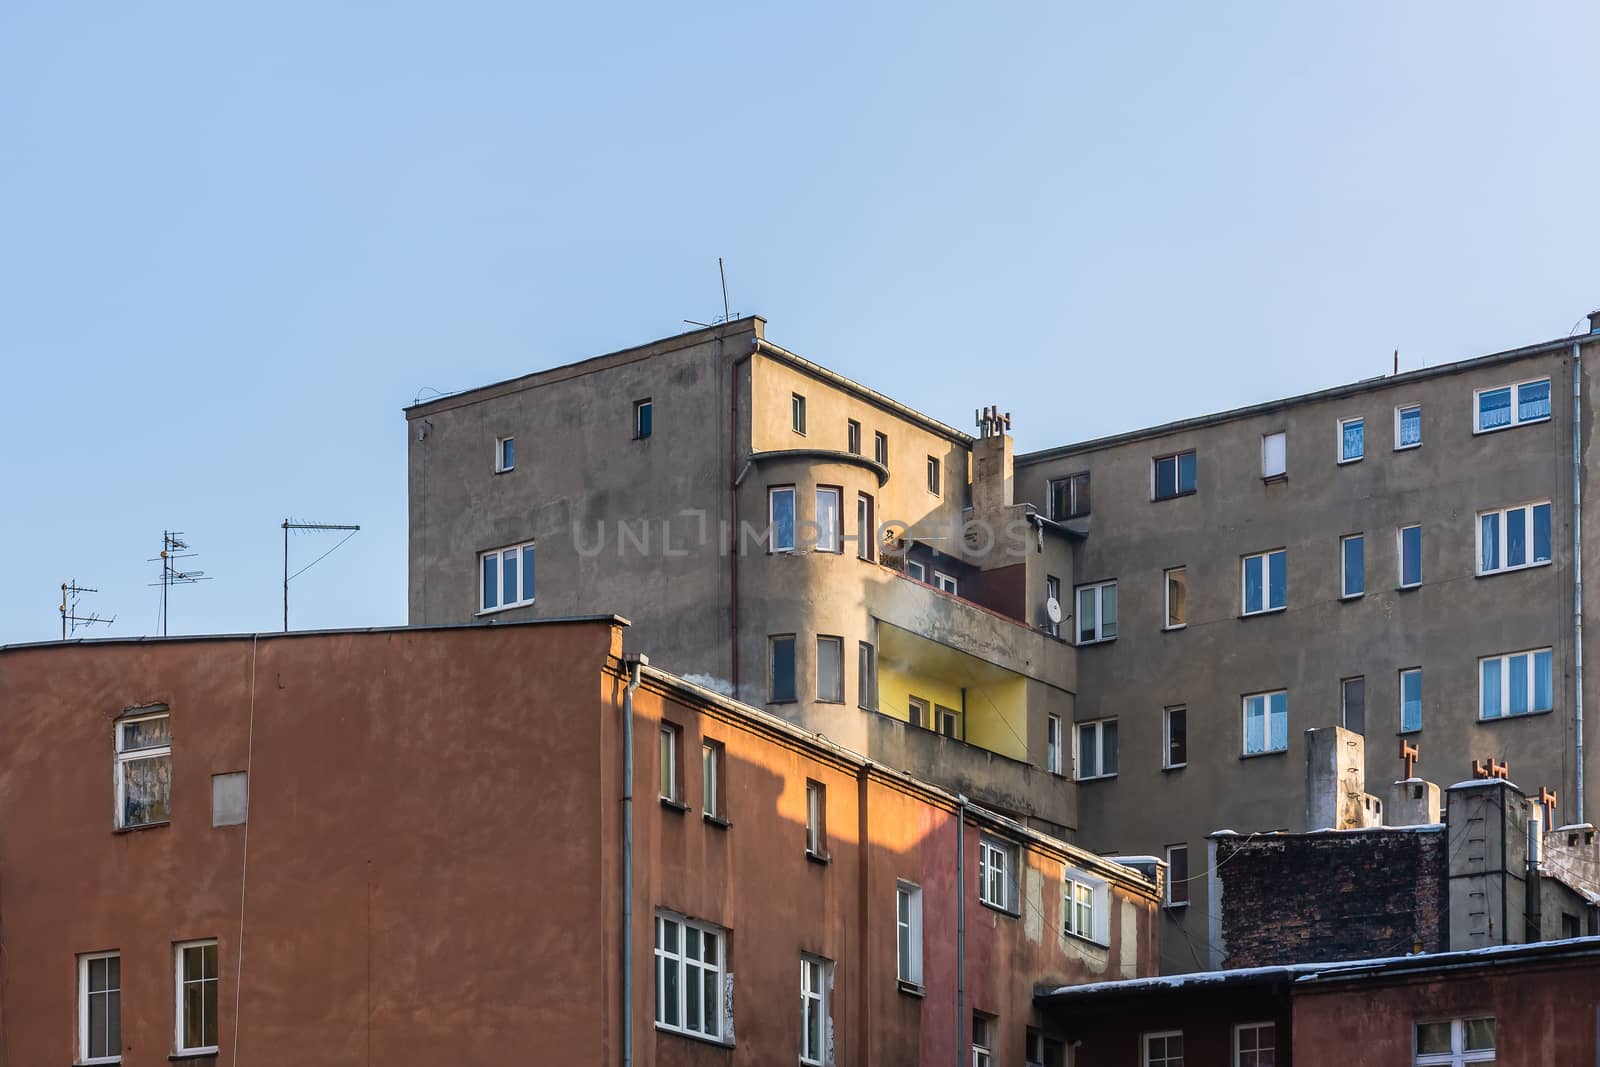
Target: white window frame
1502,528
1266,440
1054,750
773,493
1399,413
830,538
982,1041
797,413
1267,607
670,739
1339,439
1457,1056
935,477
852,437
525,577
711,755
949,721
945,583
1400,556
866,527
83,1007
679,959
880,448
1166,737
639,408
1238,1053
1096,730
908,951
821,970
998,860
816,819
500,464
867,675
1100,635
137,755
1344,565
916,570
178,1046
1082,892
1404,729
1166,597
1504,659
1144,1049
1171,901
1516,405
837,645
1266,722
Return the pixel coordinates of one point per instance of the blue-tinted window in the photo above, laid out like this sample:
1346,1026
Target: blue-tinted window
1489,705
1519,683
1533,401
1489,542
782,671
1265,581
1411,699
1494,408
491,581
1174,475
1352,439
1541,533
1266,723
1355,565
1408,427
508,453
643,417
780,519
1411,556
1515,537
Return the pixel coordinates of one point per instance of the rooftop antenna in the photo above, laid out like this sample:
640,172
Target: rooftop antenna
70,619
174,548
1397,361
308,527
723,274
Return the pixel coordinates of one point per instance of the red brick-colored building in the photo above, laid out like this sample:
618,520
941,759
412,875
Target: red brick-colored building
408,847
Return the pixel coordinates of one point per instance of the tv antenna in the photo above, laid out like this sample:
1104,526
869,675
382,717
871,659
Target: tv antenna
174,548
308,527
727,316
70,619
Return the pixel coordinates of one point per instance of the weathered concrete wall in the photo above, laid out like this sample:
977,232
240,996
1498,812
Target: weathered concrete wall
1488,823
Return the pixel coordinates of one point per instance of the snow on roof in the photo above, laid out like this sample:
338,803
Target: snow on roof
1479,783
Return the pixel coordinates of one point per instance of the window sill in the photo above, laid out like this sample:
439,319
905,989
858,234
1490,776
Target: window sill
1097,778
1002,910
503,607
1408,448
1407,588
1408,733
1512,570
1268,752
1174,496
911,989
1174,767
1086,940
1352,459
716,820
675,805
1518,715
505,470
141,826
641,437
818,857
827,700
1274,479
686,1035
1511,425
1175,905
194,1054
100,1062
785,700
1263,611
1096,641
1171,629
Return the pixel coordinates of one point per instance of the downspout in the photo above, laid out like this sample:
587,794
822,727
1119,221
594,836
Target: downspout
961,931
1577,570
633,661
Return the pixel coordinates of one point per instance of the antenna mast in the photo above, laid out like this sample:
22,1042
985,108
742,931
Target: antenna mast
70,619
308,527
174,548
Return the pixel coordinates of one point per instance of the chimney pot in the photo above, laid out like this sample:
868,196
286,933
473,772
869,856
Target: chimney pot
1594,321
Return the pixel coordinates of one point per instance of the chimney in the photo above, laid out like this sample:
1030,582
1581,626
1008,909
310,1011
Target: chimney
1594,321
1336,781
991,474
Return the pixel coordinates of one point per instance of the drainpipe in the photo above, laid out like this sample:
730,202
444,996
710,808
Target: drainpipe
633,661
961,932
1577,568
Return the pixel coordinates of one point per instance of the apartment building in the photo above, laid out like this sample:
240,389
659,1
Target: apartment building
423,846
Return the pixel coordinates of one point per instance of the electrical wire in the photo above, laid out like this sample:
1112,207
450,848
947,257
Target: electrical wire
322,557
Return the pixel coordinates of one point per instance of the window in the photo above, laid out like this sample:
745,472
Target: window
949,721
1266,722
982,1041
780,669
918,713
1177,737
1493,410
691,959
711,779
997,873
643,417
1265,582
830,670
852,437
1407,426
1455,1042
780,519
1069,496
935,479
1352,439
816,1027
908,932
797,412
816,819
1097,612
144,769
1411,699
830,520
1177,593
1410,538
670,784
1353,704
867,676
1097,749
1085,902
1163,1049
1274,455
1172,476
1352,566
1044,1051
1177,875
100,1008
1514,684
866,528
1255,1045
1513,538
1052,744
880,448
944,583
505,454
507,577
197,996
916,570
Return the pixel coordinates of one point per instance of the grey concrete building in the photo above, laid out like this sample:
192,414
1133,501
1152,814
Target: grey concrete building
1394,556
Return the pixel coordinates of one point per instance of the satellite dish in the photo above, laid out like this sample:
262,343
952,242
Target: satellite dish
1052,608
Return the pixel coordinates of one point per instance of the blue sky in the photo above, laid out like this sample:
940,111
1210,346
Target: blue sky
235,240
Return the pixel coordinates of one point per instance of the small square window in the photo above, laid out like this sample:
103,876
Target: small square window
1266,723
1255,1045
1407,426
643,417
1164,1049
797,412
1352,439
505,454
1265,582
1173,475
916,569
1097,750
944,583
1069,496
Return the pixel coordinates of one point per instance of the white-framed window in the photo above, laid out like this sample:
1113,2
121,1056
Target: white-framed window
644,412
1175,582
866,527
1410,699
816,819
1069,496
1177,876
1511,539
949,720
1407,426
711,753
1255,1045
1409,543
830,670
945,583
880,448
144,769
917,713
1510,405
671,781
1085,906
1352,439
908,932
1274,454
997,872
797,412
1164,1049
1266,722
917,570
816,1024
1097,613
1097,749
1052,744
935,476
100,1008
195,971
852,437
1175,728
505,454
506,577
867,676
780,518
1172,476
1454,1042
1264,582
781,670
830,519
982,1041
691,960
1517,683
1352,566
